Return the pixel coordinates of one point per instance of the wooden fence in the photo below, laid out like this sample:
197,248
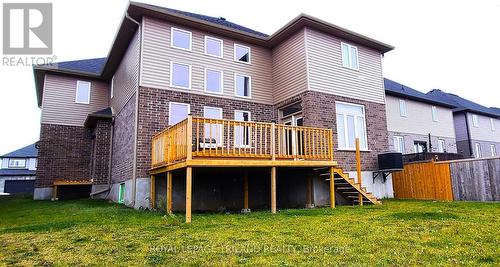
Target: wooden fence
469,180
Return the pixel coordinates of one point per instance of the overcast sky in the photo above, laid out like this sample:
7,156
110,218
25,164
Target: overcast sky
451,45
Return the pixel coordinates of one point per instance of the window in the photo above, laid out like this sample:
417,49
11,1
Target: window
241,53
180,39
399,144
402,108
420,147
213,81
242,85
180,75
478,150
213,46
434,114
82,92
351,125
17,163
349,56
112,85
121,193
492,124
213,131
441,146
493,149
475,120
177,112
241,133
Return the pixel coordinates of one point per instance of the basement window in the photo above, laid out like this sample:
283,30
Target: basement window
121,193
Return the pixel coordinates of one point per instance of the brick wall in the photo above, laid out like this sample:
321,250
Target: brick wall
100,151
64,153
153,116
123,143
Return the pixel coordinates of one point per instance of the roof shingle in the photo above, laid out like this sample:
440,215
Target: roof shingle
461,103
397,89
26,152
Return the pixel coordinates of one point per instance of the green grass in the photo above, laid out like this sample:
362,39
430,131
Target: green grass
397,233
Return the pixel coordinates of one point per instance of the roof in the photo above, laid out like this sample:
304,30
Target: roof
17,172
104,68
396,89
30,151
462,104
496,110
92,118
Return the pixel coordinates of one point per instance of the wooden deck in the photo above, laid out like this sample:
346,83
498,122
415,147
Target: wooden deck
202,142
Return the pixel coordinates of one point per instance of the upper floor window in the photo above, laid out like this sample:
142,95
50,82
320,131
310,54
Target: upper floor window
17,163
351,124
402,108
82,92
242,85
180,39
475,120
349,56
180,75
112,85
241,53
213,81
493,149
492,124
434,113
399,144
213,46
177,112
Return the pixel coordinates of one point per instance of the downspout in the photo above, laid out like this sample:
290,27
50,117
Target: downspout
110,163
430,143
134,169
469,141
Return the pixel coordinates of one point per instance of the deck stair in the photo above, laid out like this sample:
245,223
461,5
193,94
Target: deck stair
348,188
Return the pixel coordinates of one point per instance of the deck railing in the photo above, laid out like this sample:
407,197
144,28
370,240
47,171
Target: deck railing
215,138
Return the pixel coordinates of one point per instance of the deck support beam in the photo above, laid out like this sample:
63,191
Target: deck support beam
332,187
246,208
169,192
152,196
189,184
273,190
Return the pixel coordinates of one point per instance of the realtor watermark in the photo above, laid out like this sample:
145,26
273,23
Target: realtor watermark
252,249
27,34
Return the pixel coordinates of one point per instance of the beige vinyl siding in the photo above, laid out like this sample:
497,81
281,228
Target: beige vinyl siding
157,55
483,132
327,75
418,118
289,68
126,76
58,105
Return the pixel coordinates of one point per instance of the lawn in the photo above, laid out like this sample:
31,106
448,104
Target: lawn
90,232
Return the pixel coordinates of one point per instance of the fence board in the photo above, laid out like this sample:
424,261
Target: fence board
423,180
476,180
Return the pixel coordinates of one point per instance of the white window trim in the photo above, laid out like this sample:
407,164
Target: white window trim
492,124
221,46
493,150
249,86
170,110
9,166
221,132
249,120
349,48
402,112
475,122
434,114
112,86
172,75
249,54
88,96
478,151
403,148
172,29
442,141
355,127
221,81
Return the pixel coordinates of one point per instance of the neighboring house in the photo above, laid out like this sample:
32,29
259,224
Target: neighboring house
416,122
165,64
477,128
17,170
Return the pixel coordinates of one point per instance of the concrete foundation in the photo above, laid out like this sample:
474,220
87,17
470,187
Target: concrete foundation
378,188
142,193
44,193
100,188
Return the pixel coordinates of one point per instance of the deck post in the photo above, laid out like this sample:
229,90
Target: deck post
152,196
189,180
273,190
309,204
246,208
189,138
332,187
358,169
169,192
54,193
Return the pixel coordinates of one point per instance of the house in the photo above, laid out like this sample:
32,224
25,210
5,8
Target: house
199,113
416,122
477,128
17,170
